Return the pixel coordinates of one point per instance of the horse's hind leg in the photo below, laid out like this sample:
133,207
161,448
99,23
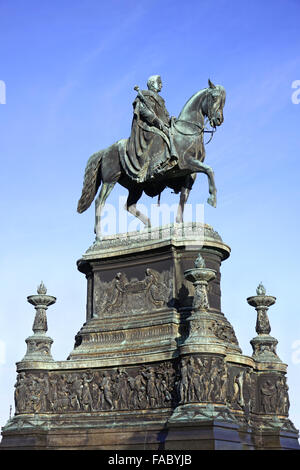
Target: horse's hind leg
105,191
133,197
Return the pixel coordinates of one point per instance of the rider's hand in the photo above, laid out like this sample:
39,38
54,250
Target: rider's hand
158,123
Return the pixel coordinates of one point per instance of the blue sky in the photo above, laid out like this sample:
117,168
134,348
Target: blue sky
69,69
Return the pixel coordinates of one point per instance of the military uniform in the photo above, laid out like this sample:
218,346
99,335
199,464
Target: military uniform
148,147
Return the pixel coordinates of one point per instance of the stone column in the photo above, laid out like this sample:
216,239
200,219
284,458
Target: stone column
203,372
264,345
272,406
204,335
39,344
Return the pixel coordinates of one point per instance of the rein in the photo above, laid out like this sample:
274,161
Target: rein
201,129
198,132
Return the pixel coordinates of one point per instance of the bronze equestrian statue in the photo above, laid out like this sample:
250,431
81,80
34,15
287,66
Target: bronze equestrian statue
161,152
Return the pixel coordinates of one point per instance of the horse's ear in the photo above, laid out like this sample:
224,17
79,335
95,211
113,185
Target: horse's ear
211,85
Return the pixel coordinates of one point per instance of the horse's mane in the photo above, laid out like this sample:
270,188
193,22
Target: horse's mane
196,95
190,101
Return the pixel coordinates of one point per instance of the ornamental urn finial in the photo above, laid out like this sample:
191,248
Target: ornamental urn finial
39,344
200,276
202,322
261,302
264,345
199,262
42,290
260,290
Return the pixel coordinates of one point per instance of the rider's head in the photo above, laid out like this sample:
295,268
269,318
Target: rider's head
154,83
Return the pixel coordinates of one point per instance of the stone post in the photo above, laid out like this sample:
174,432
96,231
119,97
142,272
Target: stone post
39,344
264,345
202,399
202,324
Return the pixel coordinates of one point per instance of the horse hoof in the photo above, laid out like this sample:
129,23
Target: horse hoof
212,201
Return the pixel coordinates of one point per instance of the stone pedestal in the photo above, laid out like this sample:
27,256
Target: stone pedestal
156,364
138,299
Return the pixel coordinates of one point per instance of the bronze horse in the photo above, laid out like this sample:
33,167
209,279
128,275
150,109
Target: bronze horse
188,130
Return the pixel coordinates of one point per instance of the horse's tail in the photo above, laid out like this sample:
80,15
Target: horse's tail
91,182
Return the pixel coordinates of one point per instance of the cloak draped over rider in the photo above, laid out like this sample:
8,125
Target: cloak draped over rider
150,146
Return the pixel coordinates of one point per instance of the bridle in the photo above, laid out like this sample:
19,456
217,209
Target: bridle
200,129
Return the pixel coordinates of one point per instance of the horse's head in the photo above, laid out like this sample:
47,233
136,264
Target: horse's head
214,103
207,102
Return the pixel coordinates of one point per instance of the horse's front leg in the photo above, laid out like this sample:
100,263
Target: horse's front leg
212,200
184,194
200,167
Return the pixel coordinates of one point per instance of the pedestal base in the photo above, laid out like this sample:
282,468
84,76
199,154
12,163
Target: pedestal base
145,432
135,378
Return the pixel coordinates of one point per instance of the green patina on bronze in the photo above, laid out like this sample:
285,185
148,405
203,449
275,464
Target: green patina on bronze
161,152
